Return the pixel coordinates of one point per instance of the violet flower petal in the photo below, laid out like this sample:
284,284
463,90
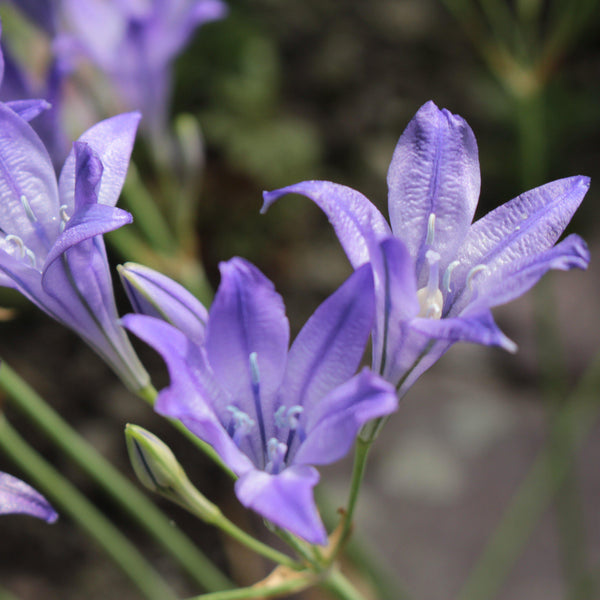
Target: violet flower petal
334,423
525,226
28,109
18,497
29,205
516,278
112,141
247,317
328,349
355,219
193,396
434,170
286,499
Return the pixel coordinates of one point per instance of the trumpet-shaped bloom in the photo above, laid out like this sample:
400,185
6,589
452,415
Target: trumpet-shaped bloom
51,247
437,274
18,497
269,413
134,42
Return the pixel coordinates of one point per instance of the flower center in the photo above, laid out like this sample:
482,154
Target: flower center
270,453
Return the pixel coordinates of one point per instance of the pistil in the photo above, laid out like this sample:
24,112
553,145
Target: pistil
431,299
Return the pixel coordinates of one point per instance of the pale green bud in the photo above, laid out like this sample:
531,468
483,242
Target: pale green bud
157,469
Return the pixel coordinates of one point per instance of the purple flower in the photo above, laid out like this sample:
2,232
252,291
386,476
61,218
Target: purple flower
436,274
18,497
269,413
51,247
134,42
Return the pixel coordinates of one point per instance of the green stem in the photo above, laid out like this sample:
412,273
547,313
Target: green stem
361,454
302,548
127,495
288,587
547,474
193,501
70,501
341,587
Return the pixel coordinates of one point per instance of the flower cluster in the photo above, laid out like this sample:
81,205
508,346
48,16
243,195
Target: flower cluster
270,411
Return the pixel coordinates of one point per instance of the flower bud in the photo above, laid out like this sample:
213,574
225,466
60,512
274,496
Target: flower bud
157,469
154,294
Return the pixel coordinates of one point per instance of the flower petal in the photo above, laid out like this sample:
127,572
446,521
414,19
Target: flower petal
154,294
476,327
18,497
333,424
434,170
28,109
514,279
355,219
285,499
112,141
396,297
525,226
193,396
29,206
328,349
247,316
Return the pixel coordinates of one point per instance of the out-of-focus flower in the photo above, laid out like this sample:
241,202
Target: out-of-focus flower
436,274
134,43
18,497
51,246
269,413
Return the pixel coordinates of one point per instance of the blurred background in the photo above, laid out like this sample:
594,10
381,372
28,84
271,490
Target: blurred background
286,91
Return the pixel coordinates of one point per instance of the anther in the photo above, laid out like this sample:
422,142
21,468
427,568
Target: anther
241,424
430,230
27,208
448,274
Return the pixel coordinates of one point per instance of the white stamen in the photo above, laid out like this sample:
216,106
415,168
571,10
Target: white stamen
448,274
430,230
17,241
473,272
27,208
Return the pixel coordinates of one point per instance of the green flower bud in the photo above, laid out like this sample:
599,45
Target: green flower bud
157,469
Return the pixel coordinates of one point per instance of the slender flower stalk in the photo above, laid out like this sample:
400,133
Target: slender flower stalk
436,274
268,413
